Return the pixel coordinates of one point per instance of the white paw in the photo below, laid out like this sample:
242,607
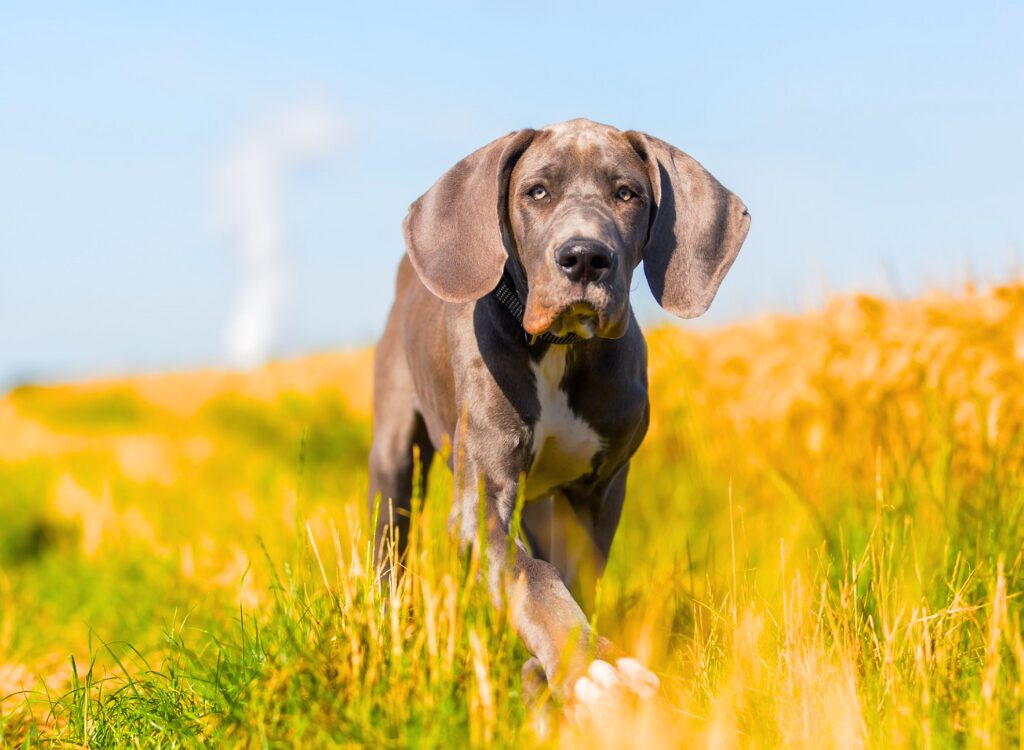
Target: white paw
605,686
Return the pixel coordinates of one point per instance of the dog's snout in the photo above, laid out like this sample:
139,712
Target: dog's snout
584,261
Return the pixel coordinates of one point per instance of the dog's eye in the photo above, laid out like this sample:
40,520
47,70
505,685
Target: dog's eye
625,195
538,192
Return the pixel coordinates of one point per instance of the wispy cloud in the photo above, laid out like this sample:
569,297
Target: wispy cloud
248,186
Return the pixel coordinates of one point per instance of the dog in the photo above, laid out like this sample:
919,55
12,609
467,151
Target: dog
512,336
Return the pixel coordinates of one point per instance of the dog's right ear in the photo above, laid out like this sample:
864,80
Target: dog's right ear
454,233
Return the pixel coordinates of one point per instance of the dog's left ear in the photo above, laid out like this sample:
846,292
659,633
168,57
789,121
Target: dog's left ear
697,228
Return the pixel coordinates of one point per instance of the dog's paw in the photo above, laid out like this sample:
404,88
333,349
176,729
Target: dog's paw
606,686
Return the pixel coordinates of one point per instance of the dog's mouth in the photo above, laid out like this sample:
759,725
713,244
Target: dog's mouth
585,318
579,318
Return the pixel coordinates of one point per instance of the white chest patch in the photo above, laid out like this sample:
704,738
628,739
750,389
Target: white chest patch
564,445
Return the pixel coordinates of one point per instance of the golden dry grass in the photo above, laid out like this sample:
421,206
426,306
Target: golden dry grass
822,547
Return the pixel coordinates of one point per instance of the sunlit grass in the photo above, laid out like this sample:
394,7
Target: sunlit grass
821,547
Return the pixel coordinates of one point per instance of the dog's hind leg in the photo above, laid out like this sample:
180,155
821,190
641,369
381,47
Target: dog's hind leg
395,481
399,435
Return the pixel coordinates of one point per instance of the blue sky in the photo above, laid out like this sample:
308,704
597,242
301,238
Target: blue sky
877,147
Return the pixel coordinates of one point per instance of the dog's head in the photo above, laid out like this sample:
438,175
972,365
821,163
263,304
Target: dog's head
573,209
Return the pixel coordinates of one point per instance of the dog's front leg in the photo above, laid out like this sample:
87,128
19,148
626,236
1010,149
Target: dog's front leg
587,671
544,613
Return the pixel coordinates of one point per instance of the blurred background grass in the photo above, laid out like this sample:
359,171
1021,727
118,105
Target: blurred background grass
822,546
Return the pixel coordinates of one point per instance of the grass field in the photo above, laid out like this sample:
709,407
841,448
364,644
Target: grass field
821,547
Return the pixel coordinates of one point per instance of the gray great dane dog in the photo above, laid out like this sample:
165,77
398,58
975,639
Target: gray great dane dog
512,336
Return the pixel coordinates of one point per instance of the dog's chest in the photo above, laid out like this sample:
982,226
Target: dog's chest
564,444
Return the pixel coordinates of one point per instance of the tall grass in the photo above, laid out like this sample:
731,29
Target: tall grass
821,547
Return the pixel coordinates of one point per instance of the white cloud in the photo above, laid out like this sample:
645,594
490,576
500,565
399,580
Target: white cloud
247,204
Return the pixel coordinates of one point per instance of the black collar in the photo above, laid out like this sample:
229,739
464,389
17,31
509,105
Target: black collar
506,294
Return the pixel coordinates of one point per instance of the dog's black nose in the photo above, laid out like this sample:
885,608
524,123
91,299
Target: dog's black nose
584,260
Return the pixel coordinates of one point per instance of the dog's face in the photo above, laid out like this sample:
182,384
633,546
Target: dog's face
571,210
579,208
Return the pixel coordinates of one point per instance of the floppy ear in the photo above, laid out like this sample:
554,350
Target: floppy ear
697,227
455,233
